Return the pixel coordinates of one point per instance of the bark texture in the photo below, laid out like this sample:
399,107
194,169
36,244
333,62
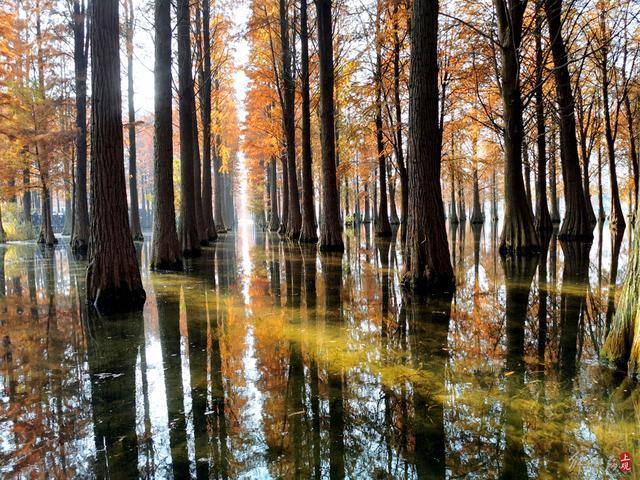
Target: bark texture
518,234
188,229
308,233
330,227
428,263
80,237
165,248
113,273
576,224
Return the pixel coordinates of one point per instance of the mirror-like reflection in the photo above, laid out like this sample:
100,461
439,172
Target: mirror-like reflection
268,359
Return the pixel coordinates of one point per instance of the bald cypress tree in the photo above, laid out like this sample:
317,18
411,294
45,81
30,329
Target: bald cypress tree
113,274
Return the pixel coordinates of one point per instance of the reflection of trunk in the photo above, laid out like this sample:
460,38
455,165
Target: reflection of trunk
430,325
112,350
543,293
518,233
518,276
330,229
428,265
169,318
165,249
572,303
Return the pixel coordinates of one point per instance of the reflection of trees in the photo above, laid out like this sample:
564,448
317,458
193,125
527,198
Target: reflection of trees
112,349
168,304
518,274
428,320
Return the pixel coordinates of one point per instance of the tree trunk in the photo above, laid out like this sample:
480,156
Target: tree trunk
383,227
26,195
527,174
367,206
294,220
576,224
553,183
601,214
308,233
477,217
80,240
453,208
165,248
46,236
113,274
494,196
197,179
3,239
428,263
188,229
394,219
284,218
543,219
518,234
217,177
585,153
274,221
633,152
134,213
331,229
205,110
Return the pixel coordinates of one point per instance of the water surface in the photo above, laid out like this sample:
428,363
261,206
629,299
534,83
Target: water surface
269,360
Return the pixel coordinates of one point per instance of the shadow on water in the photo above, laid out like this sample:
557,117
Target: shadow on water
268,359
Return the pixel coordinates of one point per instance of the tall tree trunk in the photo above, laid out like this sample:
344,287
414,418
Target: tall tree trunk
383,227
165,248
26,195
274,221
197,180
284,218
553,182
113,274
205,110
518,233
80,240
3,239
134,213
494,196
308,233
453,207
601,214
477,216
543,219
428,263
331,229
294,220
367,206
394,219
46,236
217,178
633,152
585,154
576,224
188,229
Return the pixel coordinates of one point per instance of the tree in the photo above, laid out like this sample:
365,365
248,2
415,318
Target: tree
188,228
428,264
518,234
294,219
308,230
113,274
134,212
165,248
576,224
330,227
80,235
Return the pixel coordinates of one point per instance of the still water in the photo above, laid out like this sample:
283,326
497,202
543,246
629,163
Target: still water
268,360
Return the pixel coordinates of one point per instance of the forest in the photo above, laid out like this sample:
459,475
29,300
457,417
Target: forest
319,239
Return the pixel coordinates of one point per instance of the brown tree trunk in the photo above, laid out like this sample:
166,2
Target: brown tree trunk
46,236
518,234
217,177
308,233
601,214
205,110
134,212
165,248
80,238
585,153
284,218
576,224
188,229
197,180
331,229
633,152
113,273
383,227
274,221
543,219
428,263
394,219
294,220
26,195
553,181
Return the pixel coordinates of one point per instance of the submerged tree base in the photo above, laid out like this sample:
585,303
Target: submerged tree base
113,299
